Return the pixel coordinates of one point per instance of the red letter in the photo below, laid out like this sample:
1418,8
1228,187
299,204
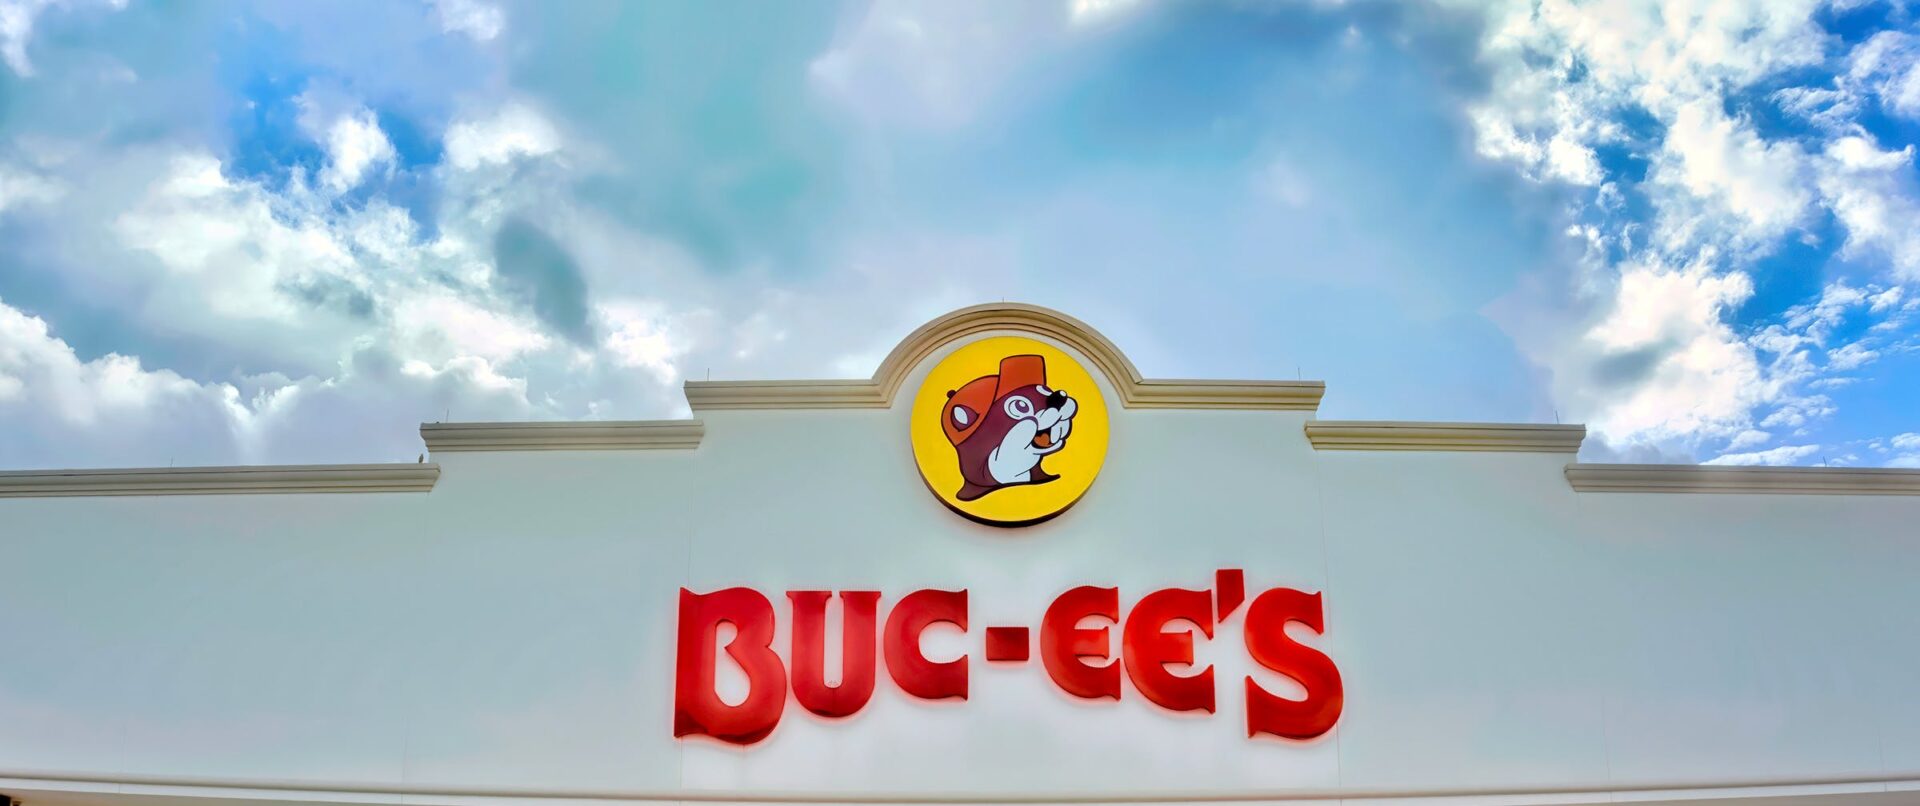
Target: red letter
810,652
1148,649
1063,643
916,675
1267,641
697,707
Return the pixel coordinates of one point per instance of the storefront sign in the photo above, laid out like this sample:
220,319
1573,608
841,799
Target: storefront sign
1007,431
1085,662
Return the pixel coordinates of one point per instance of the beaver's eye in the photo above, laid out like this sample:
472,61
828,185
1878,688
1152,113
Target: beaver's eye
1043,390
1019,407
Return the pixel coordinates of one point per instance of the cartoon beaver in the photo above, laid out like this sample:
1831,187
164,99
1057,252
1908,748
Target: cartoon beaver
1003,425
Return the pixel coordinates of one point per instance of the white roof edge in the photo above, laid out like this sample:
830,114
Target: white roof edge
1624,478
589,435
1407,435
259,479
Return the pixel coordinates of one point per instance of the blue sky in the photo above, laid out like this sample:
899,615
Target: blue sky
237,232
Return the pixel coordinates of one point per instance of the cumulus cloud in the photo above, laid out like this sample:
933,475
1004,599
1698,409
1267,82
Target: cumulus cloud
1888,65
311,307
1783,455
331,324
1726,171
512,132
358,325
82,393
1874,193
1659,363
354,144
1670,87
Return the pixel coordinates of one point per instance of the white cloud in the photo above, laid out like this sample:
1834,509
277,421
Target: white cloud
1888,64
1873,192
1670,82
1850,356
481,21
1572,161
1888,299
1647,359
231,251
513,131
1562,156
21,188
1721,162
639,338
437,324
1691,374
1798,412
1817,320
82,393
354,145
1748,439
349,313
1088,12
937,64
1783,455
16,27
346,324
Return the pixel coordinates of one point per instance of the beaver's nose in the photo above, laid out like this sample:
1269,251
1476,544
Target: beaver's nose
1057,399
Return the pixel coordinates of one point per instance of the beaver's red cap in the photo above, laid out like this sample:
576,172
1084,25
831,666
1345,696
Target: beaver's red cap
1017,371
977,395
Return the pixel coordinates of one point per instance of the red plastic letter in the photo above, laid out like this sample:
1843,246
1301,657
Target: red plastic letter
810,651
697,707
916,675
1063,643
1267,641
1148,648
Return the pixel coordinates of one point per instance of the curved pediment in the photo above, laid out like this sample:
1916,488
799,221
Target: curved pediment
1002,317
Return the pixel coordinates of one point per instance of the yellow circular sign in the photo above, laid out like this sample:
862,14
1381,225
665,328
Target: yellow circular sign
1009,431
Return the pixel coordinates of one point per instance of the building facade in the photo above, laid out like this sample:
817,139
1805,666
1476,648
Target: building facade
1007,568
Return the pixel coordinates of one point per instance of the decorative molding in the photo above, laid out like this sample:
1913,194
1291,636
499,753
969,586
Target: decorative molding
829,394
1608,478
612,435
1382,435
879,391
266,479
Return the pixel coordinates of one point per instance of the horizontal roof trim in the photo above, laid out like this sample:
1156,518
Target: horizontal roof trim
1384,435
606,435
265,479
880,390
1609,478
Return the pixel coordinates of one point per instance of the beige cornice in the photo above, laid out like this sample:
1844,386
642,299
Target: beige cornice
879,391
615,435
1605,478
1380,435
397,478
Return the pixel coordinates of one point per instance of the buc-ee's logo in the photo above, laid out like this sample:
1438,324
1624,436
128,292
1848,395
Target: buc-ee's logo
1009,431
1085,645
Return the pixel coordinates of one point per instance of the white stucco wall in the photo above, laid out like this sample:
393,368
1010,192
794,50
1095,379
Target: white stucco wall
512,630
